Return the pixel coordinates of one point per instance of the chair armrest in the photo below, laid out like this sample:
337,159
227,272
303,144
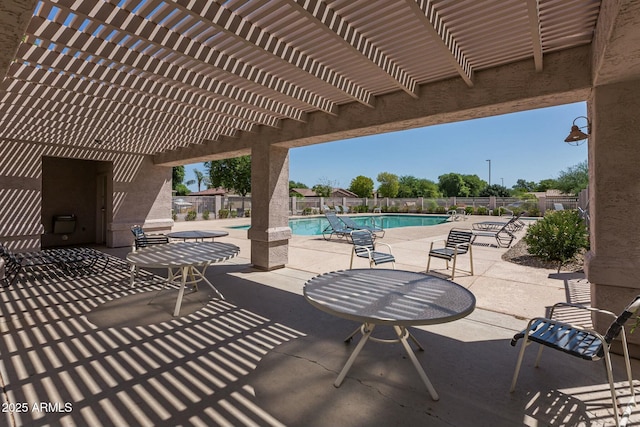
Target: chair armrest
355,247
581,307
384,244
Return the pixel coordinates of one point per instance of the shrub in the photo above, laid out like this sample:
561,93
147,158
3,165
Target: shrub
223,213
247,213
307,211
481,210
191,215
205,214
234,213
468,210
440,210
559,236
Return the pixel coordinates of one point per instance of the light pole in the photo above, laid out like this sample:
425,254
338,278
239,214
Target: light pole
502,181
489,160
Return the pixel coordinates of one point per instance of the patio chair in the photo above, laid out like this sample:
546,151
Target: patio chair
583,343
458,242
349,222
142,239
514,224
364,247
504,237
558,206
336,226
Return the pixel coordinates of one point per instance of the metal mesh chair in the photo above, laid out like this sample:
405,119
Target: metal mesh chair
583,343
458,243
364,247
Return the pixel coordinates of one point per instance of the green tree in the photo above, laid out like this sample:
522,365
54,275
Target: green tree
524,186
389,184
495,190
547,184
453,185
177,184
362,186
200,178
474,184
324,188
232,174
574,179
427,188
177,176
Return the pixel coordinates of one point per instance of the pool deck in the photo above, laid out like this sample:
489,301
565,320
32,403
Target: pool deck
265,357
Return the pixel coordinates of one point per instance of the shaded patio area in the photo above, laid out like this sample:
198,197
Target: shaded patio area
90,350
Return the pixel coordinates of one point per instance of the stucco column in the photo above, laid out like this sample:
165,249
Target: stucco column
269,232
613,263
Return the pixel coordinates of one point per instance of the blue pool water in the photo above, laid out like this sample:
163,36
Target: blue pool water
314,226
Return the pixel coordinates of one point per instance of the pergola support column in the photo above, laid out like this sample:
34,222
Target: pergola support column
613,262
269,232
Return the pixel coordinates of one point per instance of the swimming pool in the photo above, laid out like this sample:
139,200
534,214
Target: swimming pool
314,226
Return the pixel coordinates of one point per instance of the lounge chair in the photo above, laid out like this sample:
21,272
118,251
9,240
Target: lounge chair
70,260
580,342
458,242
364,247
142,239
558,206
504,237
349,222
514,224
336,226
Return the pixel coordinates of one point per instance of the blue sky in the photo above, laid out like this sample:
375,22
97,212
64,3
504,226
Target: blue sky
528,145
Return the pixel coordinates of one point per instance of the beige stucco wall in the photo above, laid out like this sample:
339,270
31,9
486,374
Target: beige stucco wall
139,192
613,263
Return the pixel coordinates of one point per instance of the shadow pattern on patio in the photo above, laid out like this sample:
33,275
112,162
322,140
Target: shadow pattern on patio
59,368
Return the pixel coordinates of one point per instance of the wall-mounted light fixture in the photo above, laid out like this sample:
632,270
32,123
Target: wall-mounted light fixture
576,136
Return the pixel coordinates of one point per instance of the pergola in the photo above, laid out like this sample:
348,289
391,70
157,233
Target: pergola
112,94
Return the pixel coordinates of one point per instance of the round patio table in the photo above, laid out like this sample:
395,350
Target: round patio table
395,298
185,257
196,235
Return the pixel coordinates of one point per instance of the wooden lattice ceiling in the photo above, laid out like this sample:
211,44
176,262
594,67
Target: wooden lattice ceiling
150,76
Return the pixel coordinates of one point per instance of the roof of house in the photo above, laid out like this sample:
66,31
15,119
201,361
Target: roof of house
210,192
341,192
306,192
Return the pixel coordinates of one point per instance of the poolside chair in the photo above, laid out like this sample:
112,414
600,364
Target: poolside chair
336,226
142,239
458,242
558,206
513,224
349,222
583,343
364,247
504,237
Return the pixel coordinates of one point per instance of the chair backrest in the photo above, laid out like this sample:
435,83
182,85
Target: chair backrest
140,239
362,240
459,236
350,223
335,222
616,326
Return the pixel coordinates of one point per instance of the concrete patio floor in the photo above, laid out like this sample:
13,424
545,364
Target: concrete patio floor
266,357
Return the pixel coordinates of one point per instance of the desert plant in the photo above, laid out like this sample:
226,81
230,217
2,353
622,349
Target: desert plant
468,210
558,237
440,210
247,213
205,214
223,213
234,213
481,210
191,215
